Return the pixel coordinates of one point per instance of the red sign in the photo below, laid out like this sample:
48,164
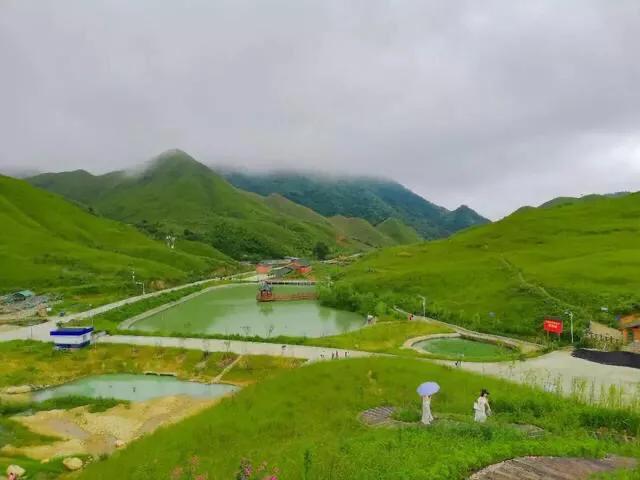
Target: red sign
553,325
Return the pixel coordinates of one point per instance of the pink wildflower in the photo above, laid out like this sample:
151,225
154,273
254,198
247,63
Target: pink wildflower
176,473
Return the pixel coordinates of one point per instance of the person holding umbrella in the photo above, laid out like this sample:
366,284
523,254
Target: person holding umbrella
481,407
426,391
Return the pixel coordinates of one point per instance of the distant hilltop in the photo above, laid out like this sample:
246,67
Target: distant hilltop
372,199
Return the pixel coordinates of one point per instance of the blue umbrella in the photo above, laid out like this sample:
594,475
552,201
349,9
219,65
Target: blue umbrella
428,388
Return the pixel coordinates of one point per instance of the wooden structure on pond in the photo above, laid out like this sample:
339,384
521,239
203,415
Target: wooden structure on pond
266,294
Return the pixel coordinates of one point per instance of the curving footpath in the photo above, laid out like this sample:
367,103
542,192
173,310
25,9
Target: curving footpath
306,352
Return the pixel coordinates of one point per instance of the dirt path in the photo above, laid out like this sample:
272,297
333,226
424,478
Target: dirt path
82,432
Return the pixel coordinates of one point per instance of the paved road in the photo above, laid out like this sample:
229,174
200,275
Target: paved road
559,370
235,346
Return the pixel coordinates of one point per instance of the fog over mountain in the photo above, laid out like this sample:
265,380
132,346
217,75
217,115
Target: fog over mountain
489,104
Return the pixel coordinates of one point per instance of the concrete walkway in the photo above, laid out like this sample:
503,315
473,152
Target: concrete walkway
239,347
560,372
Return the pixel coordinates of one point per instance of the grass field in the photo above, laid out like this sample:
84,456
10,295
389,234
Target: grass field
463,349
507,276
34,363
305,423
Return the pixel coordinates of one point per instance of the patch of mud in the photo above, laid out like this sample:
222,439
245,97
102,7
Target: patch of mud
83,432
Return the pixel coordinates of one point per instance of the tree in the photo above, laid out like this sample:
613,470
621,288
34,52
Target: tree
321,250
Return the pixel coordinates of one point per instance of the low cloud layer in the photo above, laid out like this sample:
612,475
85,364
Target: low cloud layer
490,104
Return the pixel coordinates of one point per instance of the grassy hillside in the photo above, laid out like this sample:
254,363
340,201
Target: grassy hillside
176,194
372,199
398,231
48,243
586,198
361,231
505,277
305,423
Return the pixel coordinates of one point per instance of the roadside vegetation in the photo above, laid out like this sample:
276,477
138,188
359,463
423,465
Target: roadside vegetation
35,363
305,423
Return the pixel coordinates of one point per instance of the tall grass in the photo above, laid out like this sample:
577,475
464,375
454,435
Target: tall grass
305,422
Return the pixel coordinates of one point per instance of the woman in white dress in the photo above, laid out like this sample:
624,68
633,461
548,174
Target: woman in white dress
427,418
481,407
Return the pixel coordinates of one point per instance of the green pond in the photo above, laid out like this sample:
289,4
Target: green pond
134,388
463,348
234,311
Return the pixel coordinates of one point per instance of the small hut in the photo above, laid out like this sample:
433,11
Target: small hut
68,338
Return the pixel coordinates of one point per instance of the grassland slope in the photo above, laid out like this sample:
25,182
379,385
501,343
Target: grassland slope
47,242
507,276
305,422
399,232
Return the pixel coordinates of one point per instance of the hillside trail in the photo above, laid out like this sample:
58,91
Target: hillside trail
533,286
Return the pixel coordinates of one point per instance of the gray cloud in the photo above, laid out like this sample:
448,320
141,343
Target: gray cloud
494,104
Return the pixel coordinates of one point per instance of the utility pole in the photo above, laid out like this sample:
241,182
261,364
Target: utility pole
424,306
570,313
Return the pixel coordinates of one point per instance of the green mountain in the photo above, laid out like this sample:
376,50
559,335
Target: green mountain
175,193
372,199
400,233
507,276
49,243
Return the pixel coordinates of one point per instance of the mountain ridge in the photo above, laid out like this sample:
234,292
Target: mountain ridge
371,198
175,192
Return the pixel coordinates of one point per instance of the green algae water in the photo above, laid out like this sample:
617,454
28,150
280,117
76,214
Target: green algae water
135,388
463,348
234,310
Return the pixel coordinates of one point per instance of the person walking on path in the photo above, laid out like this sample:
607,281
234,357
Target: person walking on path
426,391
481,407
427,418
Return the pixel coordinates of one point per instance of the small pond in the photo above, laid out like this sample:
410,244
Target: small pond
134,388
461,348
234,310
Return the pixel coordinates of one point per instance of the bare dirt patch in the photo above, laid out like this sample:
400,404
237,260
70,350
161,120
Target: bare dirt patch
83,432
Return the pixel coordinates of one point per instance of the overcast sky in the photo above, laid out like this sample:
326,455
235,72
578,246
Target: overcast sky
490,104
